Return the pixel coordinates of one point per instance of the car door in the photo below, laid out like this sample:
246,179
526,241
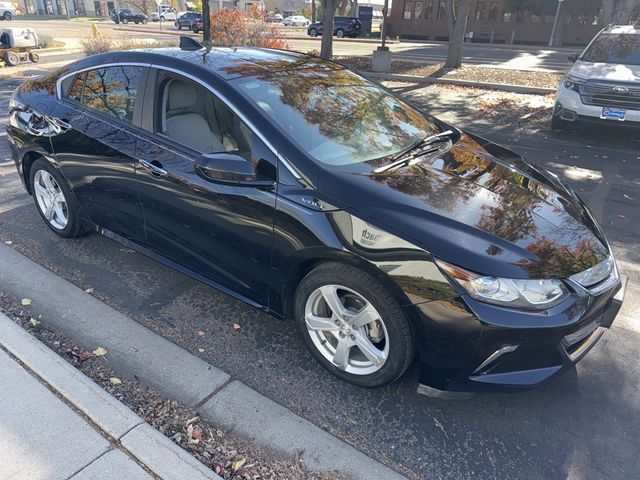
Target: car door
96,149
221,231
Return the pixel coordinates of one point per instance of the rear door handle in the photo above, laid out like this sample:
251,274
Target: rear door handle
154,169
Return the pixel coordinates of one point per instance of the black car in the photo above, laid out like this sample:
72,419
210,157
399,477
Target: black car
386,235
126,15
187,20
342,27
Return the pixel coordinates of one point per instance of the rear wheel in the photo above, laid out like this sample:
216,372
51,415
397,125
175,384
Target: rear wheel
340,33
353,326
313,32
54,200
11,58
34,57
8,16
125,21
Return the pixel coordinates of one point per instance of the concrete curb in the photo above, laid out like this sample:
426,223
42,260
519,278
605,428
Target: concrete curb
135,350
461,83
145,443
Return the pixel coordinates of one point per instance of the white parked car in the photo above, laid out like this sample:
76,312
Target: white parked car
169,14
7,11
603,85
296,21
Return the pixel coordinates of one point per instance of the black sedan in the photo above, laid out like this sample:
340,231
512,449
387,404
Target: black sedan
307,191
126,15
187,20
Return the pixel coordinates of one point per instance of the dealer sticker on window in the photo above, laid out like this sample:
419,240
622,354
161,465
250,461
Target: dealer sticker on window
613,114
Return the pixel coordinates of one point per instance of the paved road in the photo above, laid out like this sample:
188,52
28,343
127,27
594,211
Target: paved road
583,425
433,52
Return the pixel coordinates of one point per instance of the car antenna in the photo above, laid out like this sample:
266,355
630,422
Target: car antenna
189,43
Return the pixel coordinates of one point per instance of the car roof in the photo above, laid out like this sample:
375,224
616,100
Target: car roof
628,29
228,63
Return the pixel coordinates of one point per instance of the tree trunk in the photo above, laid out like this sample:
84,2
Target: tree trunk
457,13
313,11
624,11
608,7
206,22
328,12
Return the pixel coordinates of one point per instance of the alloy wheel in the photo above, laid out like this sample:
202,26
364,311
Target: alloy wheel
347,329
51,200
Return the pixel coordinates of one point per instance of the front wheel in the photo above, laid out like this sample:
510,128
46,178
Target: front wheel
313,32
34,57
144,21
54,200
8,16
125,21
353,326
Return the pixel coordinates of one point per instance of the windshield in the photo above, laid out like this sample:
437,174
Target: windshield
336,116
618,48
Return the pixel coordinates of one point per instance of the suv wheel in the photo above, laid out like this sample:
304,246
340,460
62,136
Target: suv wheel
7,16
178,25
340,33
125,21
313,32
353,326
559,124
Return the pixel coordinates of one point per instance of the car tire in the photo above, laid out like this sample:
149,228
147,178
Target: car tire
313,32
340,33
559,124
178,25
136,22
144,21
11,58
195,30
8,16
395,348
162,19
74,225
125,21
34,57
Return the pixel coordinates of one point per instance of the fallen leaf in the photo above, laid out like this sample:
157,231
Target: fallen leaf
238,464
79,354
8,242
192,419
89,290
440,426
26,301
200,333
34,322
100,352
115,381
236,326
201,350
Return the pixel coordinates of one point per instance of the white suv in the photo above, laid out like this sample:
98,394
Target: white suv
603,84
7,11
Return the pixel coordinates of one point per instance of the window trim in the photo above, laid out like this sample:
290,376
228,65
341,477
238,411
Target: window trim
281,160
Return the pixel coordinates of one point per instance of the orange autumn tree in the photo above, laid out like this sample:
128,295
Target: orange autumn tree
231,27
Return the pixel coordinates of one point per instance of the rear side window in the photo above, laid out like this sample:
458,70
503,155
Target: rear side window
75,90
112,90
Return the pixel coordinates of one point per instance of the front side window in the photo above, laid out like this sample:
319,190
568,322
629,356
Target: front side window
192,116
616,48
334,115
112,90
418,11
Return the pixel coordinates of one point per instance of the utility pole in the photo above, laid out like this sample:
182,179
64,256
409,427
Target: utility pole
554,30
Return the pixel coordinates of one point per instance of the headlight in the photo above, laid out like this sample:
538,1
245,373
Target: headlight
571,83
516,293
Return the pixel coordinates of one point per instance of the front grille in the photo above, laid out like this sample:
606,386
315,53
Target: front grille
604,95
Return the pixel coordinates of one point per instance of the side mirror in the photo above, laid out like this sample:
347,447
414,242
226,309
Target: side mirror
230,168
573,58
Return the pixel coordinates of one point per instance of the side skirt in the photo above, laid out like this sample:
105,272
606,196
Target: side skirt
182,269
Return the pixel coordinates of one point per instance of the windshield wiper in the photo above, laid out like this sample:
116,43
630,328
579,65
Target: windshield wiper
404,157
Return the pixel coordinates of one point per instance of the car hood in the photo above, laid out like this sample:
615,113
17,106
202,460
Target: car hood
479,206
605,71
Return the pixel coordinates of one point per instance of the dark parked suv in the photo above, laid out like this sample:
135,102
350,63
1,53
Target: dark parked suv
127,15
342,27
187,20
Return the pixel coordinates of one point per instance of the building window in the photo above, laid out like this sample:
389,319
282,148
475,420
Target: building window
428,9
442,10
494,11
417,12
407,10
506,17
481,9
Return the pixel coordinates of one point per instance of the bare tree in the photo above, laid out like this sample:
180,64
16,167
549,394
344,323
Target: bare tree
328,12
457,13
608,8
625,11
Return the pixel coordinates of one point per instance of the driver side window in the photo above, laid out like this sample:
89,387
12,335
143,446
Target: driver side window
189,114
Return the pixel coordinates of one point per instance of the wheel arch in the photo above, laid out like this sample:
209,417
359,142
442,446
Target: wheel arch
27,161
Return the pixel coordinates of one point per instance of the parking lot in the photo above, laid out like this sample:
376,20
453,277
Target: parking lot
582,425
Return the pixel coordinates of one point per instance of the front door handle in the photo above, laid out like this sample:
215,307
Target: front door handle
156,170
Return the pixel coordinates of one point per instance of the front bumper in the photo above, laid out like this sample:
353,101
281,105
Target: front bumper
489,348
569,108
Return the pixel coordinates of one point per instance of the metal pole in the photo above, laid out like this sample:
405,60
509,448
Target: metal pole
552,40
383,32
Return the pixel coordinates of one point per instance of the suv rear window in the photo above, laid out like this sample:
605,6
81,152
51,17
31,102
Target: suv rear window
619,48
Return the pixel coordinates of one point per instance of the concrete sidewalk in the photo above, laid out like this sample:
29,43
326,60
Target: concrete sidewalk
56,423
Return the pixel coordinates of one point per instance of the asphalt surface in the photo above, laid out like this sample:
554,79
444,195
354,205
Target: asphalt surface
583,425
517,57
